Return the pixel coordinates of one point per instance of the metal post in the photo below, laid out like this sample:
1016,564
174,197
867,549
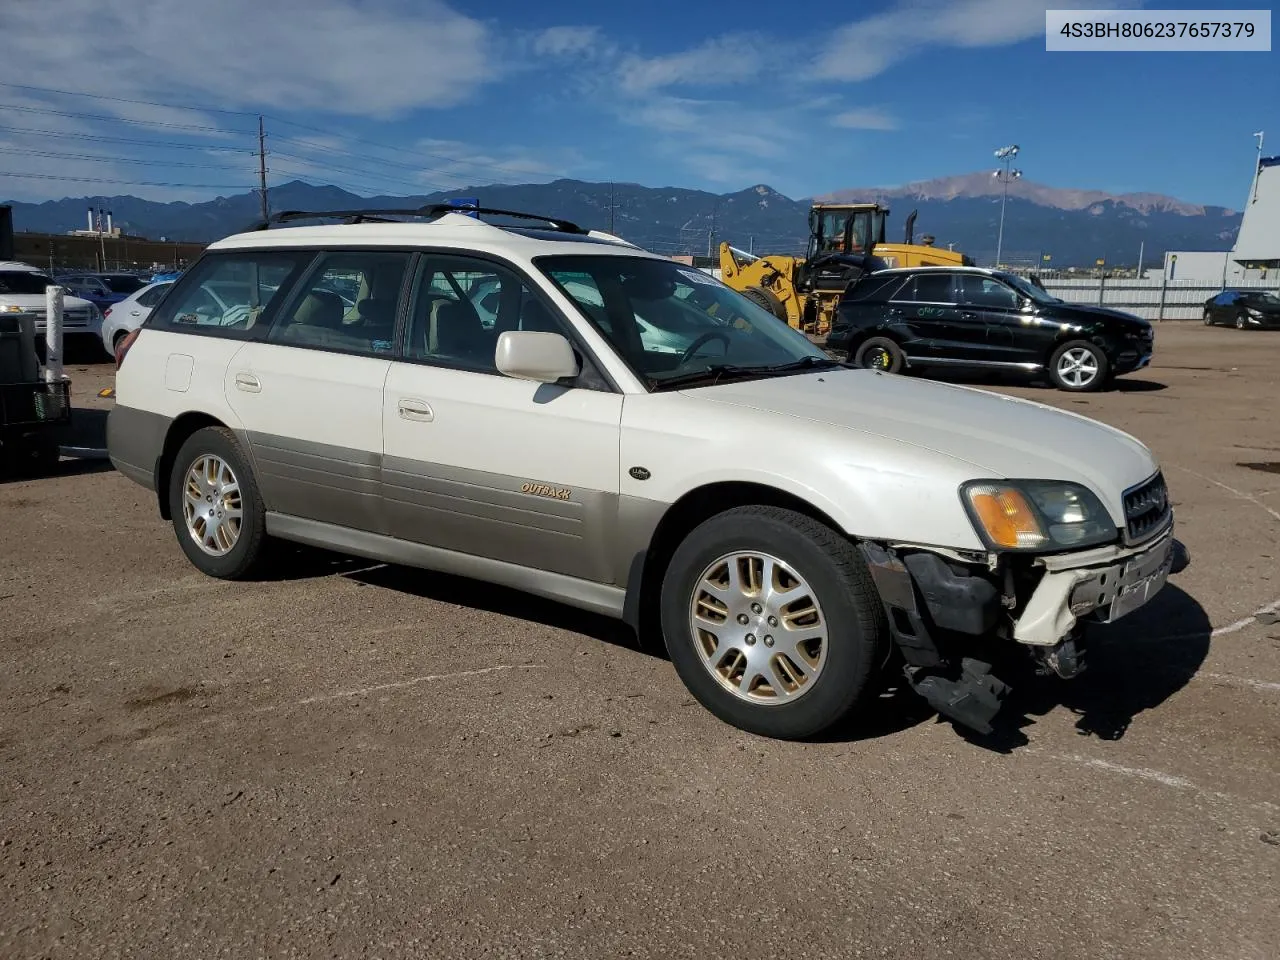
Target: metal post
53,297
1142,248
1164,288
1102,283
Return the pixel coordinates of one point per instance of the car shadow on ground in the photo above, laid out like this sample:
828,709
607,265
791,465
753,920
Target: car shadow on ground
87,434
447,588
1132,666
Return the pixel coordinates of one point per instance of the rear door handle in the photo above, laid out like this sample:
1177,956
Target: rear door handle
411,409
248,383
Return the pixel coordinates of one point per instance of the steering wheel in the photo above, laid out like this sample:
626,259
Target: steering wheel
692,349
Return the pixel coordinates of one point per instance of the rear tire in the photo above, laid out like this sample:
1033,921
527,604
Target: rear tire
821,604
1208,317
1079,366
221,526
766,299
880,353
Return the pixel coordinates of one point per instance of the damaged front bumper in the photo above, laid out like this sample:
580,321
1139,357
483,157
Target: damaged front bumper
945,607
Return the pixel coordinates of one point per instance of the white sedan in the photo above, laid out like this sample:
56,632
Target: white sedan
121,319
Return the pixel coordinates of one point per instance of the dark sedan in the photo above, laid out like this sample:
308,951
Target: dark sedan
1243,309
922,317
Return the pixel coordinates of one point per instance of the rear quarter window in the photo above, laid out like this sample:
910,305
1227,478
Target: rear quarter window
233,295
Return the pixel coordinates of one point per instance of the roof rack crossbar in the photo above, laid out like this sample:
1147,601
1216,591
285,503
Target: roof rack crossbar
433,211
559,223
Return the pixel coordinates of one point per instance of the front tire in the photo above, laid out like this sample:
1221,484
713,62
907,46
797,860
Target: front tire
1242,320
766,299
1079,367
772,621
216,508
880,353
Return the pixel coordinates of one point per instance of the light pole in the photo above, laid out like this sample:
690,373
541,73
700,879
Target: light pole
1005,155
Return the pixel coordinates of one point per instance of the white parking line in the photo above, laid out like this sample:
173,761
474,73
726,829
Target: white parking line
1275,515
1272,607
376,688
1240,681
1165,779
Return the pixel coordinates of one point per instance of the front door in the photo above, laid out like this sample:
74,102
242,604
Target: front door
922,316
483,464
310,396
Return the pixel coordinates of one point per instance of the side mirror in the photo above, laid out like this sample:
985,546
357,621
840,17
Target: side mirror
541,357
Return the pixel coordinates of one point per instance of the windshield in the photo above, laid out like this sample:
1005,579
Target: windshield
23,282
124,284
677,325
1028,289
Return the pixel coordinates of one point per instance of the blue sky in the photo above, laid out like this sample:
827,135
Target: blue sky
398,96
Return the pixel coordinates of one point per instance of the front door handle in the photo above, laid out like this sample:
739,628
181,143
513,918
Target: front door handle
248,383
966,315
411,409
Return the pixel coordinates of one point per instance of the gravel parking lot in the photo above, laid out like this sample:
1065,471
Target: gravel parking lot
358,760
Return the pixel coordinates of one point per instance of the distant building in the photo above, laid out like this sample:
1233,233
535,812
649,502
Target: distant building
83,250
1255,257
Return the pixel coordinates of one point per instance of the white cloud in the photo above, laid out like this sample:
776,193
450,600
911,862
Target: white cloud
718,61
870,46
865,118
379,58
569,41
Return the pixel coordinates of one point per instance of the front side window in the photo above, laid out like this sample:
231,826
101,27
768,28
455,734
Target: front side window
349,304
462,305
671,323
986,292
231,294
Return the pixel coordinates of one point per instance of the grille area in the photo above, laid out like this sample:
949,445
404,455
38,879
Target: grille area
1146,509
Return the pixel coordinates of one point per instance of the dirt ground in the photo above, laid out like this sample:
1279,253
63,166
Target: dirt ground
358,760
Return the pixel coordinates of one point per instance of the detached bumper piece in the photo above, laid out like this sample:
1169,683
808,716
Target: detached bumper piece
920,590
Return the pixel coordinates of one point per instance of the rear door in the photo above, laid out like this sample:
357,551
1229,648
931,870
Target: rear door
310,394
923,311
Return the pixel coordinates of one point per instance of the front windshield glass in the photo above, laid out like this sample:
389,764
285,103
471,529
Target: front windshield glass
23,282
671,322
1028,289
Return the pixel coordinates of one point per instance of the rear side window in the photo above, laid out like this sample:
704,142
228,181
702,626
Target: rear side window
349,304
230,294
928,288
152,296
875,289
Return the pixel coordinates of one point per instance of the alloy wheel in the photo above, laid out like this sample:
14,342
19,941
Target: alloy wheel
212,505
1078,367
758,628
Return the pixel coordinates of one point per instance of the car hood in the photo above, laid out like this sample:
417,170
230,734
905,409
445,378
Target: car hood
36,301
1081,310
1000,437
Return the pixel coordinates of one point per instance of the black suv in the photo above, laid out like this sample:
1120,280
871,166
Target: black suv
919,317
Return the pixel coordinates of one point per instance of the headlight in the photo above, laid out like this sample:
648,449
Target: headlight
1036,514
1256,314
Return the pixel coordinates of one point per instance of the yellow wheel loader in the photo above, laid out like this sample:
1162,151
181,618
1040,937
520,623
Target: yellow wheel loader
846,240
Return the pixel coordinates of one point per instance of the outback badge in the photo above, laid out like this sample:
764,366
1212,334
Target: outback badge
546,490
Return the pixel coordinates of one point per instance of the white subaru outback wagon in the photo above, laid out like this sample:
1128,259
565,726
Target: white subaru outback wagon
791,525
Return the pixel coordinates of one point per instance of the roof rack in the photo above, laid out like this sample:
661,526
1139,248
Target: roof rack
432,211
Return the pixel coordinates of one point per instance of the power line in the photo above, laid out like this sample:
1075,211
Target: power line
97,138
130,183
145,123
19,151
145,103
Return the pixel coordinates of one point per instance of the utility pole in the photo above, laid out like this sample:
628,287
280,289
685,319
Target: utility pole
262,170
1142,248
611,207
1257,167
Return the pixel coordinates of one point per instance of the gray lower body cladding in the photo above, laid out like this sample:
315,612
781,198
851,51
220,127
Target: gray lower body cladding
437,516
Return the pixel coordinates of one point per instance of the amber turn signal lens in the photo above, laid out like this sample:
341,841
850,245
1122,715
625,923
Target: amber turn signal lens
1007,517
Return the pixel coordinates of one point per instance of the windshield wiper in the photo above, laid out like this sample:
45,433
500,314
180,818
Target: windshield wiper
804,363
708,377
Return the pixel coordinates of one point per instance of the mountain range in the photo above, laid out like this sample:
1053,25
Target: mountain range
1073,227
